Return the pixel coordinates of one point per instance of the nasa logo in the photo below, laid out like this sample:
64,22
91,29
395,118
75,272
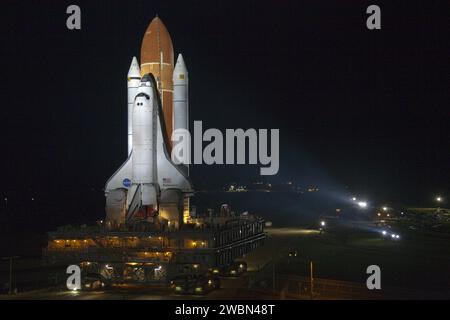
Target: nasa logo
126,182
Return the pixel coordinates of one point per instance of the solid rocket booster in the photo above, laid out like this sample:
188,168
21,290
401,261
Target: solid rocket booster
180,95
181,108
133,81
157,58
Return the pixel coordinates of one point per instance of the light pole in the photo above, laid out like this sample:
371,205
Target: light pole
274,289
439,200
311,279
275,257
10,270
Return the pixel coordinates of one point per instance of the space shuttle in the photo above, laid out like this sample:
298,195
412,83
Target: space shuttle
149,187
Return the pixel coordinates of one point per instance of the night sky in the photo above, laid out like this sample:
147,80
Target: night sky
357,108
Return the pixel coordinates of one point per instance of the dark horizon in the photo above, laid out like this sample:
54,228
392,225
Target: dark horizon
356,108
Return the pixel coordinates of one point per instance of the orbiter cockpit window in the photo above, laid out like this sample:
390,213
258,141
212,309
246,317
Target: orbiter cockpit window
143,95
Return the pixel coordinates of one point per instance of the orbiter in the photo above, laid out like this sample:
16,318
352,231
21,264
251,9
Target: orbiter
149,186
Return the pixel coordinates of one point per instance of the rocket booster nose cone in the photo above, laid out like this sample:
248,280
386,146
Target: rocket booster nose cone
180,66
180,61
134,71
180,72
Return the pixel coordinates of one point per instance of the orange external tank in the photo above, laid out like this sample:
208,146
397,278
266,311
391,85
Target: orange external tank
157,58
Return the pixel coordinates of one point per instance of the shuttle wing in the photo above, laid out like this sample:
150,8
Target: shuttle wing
121,178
